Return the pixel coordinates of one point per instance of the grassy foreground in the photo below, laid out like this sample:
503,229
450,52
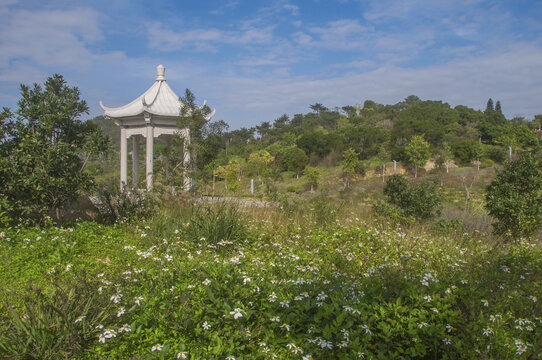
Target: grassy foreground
222,285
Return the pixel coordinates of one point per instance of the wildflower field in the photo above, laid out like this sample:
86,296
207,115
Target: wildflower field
264,289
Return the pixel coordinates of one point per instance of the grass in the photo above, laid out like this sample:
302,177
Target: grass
308,280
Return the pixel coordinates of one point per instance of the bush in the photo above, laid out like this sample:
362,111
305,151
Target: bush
216,223
488,163
387,211
61,325
514,198
324,210
420,200
123,206
496,153
396,189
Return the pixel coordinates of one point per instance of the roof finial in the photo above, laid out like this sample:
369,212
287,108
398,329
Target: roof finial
160,70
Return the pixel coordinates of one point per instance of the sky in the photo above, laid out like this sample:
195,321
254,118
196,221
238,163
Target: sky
256,60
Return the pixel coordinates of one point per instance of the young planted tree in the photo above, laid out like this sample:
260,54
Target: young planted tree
350,165
44,149
313,176
258,163
383,156
417,152
514,198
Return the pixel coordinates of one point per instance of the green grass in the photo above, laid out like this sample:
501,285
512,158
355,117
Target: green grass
343,289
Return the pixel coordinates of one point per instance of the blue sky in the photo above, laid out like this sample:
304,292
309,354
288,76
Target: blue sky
256,60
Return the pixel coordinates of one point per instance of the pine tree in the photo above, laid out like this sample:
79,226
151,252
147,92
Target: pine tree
498,107
489,106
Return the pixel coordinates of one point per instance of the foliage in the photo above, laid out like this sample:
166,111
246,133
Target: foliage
214,224
514,197
44,149
467,151
313,176
61,325
420,200
259,161
417,151
444,156
351,165
340,292
117,206
231,173
195,119
294,159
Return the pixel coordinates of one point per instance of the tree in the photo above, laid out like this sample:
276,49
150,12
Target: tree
194,118
489,106
417,152
259,161
420,200
350,165
514,197
231,173
498,107
383,157
318,108
444,156
44,149
313,176
295,160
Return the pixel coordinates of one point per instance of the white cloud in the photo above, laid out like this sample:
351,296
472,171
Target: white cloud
343,34
162,38
514,76
57,37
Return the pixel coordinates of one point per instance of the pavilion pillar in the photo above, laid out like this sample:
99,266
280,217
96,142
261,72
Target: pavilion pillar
187,180
135,162
149,155
123,159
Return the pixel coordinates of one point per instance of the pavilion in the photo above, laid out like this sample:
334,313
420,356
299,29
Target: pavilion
152,114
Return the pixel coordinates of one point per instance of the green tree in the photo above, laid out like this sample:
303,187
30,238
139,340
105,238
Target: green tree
231,173
444,156
420,200
295,160
514,197
44,149
489,106
417,152
194,118
350,165
383,156
259,161
498,107
313,176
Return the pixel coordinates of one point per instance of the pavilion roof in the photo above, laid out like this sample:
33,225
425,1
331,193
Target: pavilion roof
159,100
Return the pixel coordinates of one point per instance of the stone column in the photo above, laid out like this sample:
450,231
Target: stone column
149,154
135,161
123,159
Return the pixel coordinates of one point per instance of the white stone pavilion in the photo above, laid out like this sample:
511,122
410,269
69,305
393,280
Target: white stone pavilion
153,114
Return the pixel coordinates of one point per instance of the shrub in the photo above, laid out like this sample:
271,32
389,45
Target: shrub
496,153
123,206
514,198
396,189
387,211
61,325
324,210
216,223
420,200
488,163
